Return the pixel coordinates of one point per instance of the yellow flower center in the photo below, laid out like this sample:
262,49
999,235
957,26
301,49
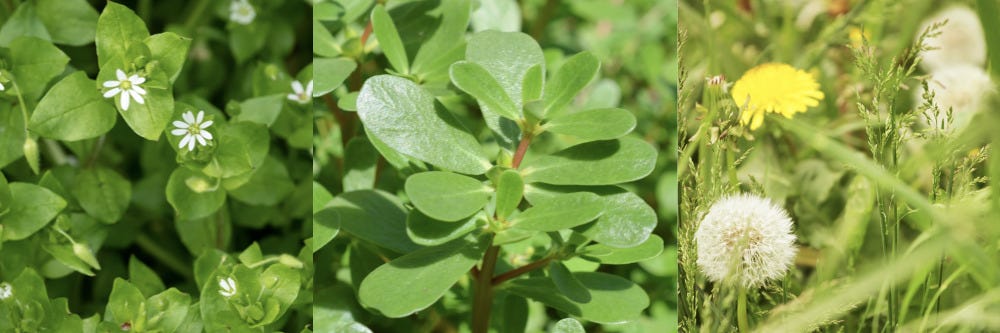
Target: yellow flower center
125,84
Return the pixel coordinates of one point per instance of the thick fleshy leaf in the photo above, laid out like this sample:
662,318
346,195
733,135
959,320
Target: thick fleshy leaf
597,124
480,84
360,161
73,110
627,220
427,231
604,254
376,217
103,193
560,212
326,226
388,39
425,275
118,28
510,189
568,325
613,299
571,77
31,209
330,73
446,196
507,56
592,163
404,117
447,45
567,284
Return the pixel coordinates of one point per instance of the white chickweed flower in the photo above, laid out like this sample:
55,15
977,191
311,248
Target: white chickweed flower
748,233
242,12
961,88
227,287
302,96
2,88
961,40
126,86
193,129
5,291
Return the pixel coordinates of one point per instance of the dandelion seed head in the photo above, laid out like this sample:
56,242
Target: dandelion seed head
775,88
747,233
961,40
961,88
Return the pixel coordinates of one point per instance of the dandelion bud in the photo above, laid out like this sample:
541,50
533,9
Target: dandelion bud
749,234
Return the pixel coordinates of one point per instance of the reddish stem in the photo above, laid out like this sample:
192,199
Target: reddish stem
522,148
521,270
366,34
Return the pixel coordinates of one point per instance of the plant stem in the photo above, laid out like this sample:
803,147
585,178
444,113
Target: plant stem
163,255
522,148
741,311
483,297
196,15
521,270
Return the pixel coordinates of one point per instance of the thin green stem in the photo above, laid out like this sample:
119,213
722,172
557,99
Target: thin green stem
483,297
196,15
741,311
154,249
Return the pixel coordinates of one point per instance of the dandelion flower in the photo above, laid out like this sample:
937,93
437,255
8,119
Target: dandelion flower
776,88
242,12
227,287
5,291
301,95
961,88
961,40
193,129
748,233
126,86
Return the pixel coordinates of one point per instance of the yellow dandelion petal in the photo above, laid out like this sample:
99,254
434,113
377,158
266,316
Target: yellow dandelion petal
776,88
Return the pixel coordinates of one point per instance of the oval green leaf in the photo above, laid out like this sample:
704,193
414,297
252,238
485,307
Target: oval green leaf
510,189
31,208
568,325
446,196
507,56
118,28
560,212
331,73
613,299
480,84
376,217
593,163
103,193
597,124
415,281
73,110
568,285
388,39
193,195
627,220
604,254
427,231
404,117
571,77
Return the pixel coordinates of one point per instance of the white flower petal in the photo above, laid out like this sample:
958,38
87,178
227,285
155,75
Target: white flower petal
206,135
188,117
309,88
179,131
206,124
181,124
297,87
184,141
2,88
200,117
138,89
191,144
201,140
121,75
125,100
137,97
136,79
111,84
112,92
293,97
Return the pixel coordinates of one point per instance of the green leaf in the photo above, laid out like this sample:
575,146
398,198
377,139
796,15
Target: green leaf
24,22
324,44
193,195
404,116
613,299
73,110
5,197
241,148
330,73
168,311
210,232
500,15
118,28
447,45
532,84
170,50
326,225
320,197
31,208
508,56
568,285
510,189
31,153
376,217
268,186
514,315
125,304
604,254
35,62
415,281
360,161
446,196
70,22
568,325
388,39
12,134
592,163
103,193
477,82
282,284
560,212
144,278
627,220
150,118
262,110
598,124
64,254
427,231
571,77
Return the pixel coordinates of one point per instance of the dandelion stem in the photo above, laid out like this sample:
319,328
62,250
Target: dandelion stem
741,311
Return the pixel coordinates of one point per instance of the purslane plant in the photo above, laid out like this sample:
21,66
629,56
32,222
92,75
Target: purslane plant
463,213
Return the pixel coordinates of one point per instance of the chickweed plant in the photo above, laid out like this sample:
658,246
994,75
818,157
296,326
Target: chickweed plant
883,163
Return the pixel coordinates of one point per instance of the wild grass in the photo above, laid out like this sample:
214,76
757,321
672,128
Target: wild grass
895,208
